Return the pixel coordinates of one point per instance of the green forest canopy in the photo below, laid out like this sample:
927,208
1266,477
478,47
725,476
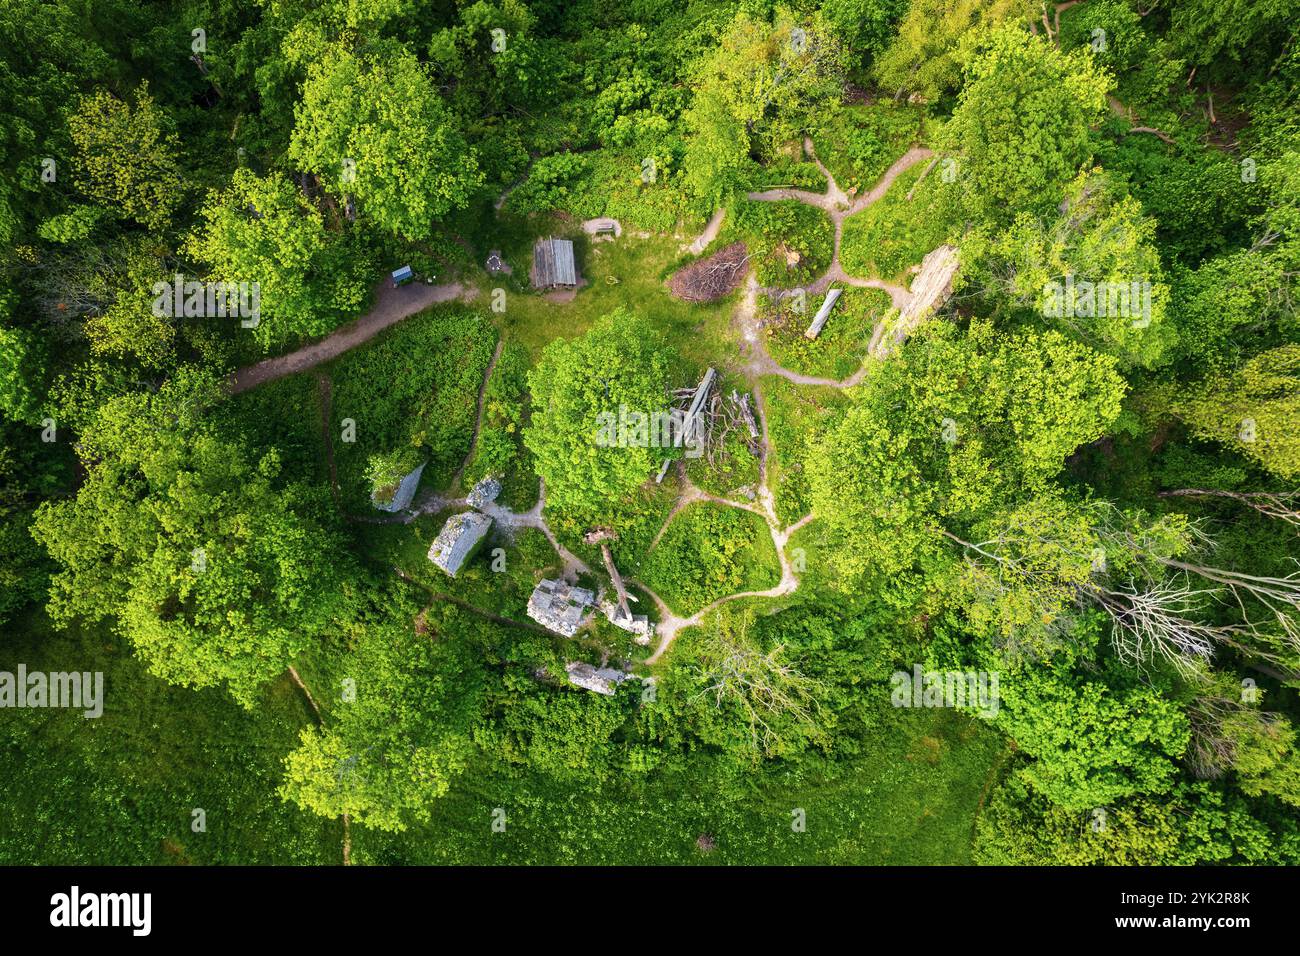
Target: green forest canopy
1099,508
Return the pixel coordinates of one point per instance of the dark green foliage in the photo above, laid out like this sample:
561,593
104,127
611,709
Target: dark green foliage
790,243
417,387
707,552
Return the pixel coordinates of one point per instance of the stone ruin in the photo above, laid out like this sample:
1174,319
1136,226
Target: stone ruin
601,680
559,607
484,493
638,625
402,493
458,539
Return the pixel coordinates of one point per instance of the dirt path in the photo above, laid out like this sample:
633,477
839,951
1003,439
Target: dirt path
670,623
900,166
838,206
478,419
327,435
320,722
392,305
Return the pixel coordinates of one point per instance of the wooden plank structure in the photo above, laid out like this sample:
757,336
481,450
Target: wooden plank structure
819,320
602,537
553,264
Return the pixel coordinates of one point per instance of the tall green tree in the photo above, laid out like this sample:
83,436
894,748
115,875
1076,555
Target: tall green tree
401,729
1254,409
1021,128
215,569
924,56
128,156
954,428
619,366
373,127
262,230
763,85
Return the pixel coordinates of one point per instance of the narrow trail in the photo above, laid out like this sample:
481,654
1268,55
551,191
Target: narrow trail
670,623
320,722
392,305
395,304
327,435
478,419
836,204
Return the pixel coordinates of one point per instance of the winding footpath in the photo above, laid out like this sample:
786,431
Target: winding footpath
392,305
836,204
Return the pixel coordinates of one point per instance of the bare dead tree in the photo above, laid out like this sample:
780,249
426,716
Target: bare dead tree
763,685
1284,505
1156,617
1221,719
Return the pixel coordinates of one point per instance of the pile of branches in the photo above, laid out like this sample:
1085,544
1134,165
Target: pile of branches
711,278
719,416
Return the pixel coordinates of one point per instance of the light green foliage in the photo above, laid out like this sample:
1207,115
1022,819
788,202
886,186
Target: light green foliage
216,569
129,326
747,694
554,182
924,57
127,157
890,236
710,551
610,183
385,471
1222,301
71,226
619,363
499,439
263,230
718,151
1193,825
1094,271
991,496
1254,409
1021,127
564,734
761,86
1092,743
381,112
858,143
894,469
790,243
839,350
413,392
400,731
